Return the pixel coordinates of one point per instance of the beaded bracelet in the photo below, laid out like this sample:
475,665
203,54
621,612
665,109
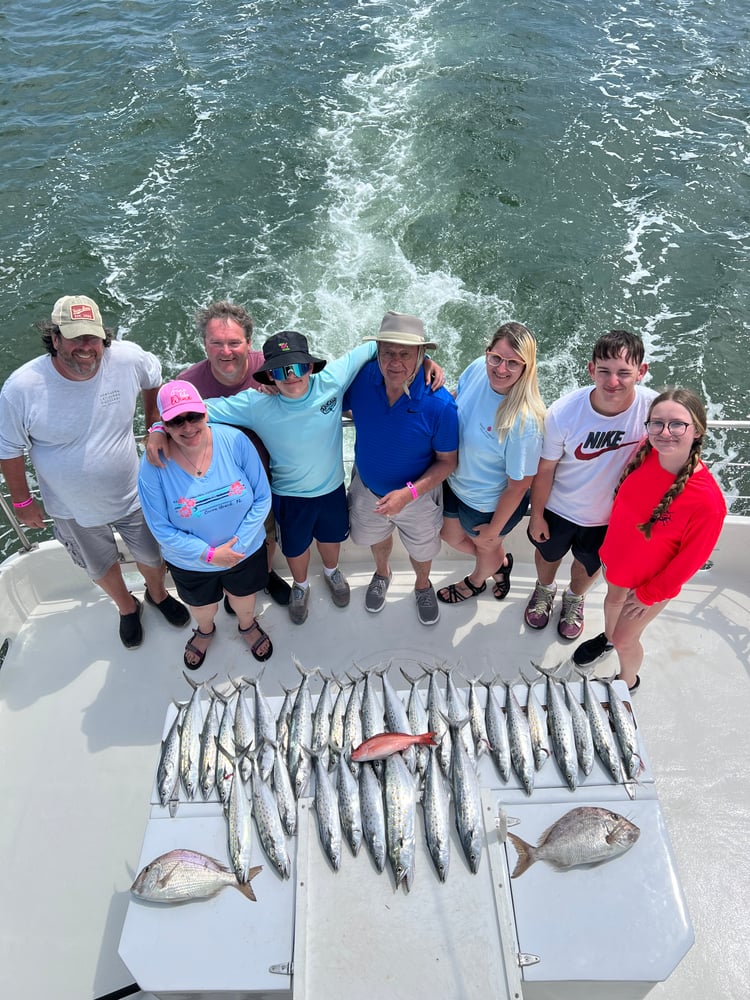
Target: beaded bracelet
413,489
210,554
25,503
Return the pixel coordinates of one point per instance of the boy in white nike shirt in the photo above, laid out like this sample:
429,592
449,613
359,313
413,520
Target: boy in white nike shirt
589,437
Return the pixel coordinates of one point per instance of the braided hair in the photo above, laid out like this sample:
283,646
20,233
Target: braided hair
696,409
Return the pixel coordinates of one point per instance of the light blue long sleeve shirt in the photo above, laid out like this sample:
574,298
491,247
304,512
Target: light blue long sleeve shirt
187,514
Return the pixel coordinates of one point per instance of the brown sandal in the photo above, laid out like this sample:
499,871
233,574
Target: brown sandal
200,653
255,646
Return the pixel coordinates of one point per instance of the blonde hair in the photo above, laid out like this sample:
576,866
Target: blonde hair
697,411
523,398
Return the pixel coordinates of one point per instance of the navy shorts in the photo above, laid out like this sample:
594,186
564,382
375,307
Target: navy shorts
470,518
565,536
300,520
198,588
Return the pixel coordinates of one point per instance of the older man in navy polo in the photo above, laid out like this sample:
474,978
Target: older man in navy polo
406,445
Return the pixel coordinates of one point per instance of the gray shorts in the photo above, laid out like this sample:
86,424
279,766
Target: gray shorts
418,524
95,550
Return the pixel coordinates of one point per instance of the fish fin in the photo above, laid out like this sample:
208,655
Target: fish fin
245,888
525,854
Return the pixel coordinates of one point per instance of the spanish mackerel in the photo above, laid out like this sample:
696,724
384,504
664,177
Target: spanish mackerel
400,797
436,813
239,821
497,732
373,814
561,730
300,732
519,739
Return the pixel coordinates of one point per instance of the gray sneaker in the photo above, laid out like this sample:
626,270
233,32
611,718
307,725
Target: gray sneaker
298,604
339,588
428,611
376,591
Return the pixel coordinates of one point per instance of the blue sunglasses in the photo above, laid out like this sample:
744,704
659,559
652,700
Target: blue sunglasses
289,371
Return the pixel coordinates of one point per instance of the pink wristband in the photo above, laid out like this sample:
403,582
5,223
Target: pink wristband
413,489
210,554
24,503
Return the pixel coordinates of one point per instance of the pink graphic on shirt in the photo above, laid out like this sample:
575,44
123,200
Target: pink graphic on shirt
236,489
186,506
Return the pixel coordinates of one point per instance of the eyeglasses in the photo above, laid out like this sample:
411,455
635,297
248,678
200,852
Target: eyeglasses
676,428
495,360
289,371
184,418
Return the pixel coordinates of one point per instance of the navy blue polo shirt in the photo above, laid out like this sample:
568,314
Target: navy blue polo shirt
396,444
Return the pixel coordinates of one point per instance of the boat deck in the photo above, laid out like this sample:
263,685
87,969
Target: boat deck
81,719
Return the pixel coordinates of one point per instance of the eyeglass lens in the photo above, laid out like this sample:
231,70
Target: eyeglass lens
185,418
289,371
495,360
675,427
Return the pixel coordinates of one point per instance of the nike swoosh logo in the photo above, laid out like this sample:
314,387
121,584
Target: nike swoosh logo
584,456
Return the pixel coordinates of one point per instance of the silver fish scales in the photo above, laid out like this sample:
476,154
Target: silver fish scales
327,809
353,722
282,722
400,798
625,730
207,766
300,732
561,731
436,814
582,736
476,718
321,729
264,727
497,732
436,720
537,725
601,732
181,875
268,822
190,738
336,732
467,801
282,786
396,717
239,823
168,769
519,739
373,814
350,810
225,743
418,723
244,726
455,710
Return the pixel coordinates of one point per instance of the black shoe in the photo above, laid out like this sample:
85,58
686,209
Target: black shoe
635,687
277,588
228,607
591,650
175,612
131,630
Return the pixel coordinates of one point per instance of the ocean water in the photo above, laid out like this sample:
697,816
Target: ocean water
575,165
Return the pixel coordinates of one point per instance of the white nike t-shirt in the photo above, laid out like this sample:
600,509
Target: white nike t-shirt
591,450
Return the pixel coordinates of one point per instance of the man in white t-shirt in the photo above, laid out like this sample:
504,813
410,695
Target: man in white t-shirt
589,437
71,411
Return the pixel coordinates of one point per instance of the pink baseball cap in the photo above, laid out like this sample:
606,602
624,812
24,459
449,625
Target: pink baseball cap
179,397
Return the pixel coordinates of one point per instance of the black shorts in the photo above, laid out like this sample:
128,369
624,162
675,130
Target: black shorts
565,536
198,588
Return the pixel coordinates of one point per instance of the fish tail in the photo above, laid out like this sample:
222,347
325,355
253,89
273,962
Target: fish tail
245,887
428,739
525,854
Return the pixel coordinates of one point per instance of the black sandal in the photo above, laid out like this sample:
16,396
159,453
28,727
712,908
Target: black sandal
454,596
501,587
200,653
263,636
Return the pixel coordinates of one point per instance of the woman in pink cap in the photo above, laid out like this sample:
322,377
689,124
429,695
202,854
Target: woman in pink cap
207,507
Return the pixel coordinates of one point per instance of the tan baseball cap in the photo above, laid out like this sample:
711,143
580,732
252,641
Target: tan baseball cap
78,316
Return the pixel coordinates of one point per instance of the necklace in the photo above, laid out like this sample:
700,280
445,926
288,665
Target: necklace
198,470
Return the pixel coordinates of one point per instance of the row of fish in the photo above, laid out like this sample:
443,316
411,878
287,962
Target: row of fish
360,798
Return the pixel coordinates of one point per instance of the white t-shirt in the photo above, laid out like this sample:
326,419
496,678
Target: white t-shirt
79,435
591,451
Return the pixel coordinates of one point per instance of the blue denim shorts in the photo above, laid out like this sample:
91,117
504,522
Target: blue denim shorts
470,518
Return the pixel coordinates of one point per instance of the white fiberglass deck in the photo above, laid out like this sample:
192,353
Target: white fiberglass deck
81,719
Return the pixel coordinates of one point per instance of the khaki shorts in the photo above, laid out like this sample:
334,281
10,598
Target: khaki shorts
418,524
95,550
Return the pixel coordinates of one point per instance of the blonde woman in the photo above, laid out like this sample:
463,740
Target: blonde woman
501,422
666,518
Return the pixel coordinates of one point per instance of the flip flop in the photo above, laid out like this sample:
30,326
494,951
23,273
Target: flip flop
200,653
255,646
501,587
454,596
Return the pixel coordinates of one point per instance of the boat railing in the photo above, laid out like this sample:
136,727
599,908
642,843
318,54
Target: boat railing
726,452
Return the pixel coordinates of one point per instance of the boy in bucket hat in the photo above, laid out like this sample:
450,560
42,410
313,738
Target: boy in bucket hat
83,449
406,445
302,429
